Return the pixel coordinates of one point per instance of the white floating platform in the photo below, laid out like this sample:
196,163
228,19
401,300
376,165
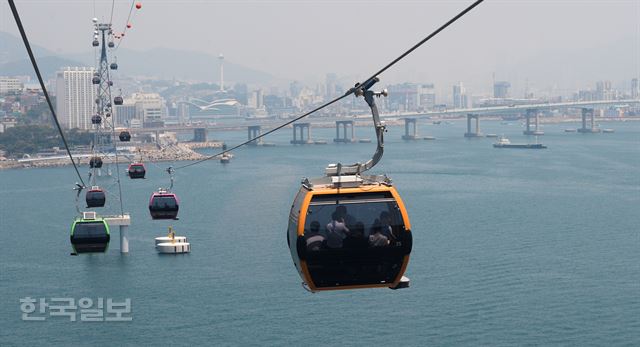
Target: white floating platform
167,239
173,247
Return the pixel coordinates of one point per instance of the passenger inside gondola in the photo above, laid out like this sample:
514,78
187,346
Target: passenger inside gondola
337,231
315,240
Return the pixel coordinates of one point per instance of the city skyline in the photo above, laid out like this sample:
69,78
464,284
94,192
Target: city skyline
292,45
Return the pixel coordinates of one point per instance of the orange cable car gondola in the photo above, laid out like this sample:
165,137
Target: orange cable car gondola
348,230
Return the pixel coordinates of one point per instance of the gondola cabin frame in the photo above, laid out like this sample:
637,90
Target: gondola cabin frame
356,191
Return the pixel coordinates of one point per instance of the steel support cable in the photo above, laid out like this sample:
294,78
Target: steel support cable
265,134
133,3
16,16
113,4
350,91
436,32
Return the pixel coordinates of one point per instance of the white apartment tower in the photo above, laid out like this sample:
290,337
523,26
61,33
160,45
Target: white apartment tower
75,97
460,99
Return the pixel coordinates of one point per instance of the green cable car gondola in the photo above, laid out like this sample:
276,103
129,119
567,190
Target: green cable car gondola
89,234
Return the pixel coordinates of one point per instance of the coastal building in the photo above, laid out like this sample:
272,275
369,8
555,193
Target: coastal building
635,89
75,97
150,108
501,89
460,99
604,91
411,97
9,85
123,114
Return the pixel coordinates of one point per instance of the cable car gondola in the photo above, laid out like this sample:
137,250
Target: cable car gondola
348,230
96,119
124,136
95,197
95,162
164,205
136,170
118,100
90,234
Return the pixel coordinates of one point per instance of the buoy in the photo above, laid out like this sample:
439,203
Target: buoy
172,244
174,248
167,239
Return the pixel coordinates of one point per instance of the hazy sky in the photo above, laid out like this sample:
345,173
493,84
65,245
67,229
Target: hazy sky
563,43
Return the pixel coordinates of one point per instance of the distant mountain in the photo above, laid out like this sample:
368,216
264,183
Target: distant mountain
12,49
48,67
14,60
169,63
162,63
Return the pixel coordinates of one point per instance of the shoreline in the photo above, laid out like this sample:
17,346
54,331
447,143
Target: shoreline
185,151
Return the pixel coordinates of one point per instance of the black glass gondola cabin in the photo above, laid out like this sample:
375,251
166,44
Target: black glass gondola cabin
95,162
90,235
124,136
95,197
164,205
136,170
349,238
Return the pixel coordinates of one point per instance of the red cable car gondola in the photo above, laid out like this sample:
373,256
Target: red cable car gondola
136,170
164,205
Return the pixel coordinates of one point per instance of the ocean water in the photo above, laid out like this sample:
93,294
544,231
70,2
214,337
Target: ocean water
511,247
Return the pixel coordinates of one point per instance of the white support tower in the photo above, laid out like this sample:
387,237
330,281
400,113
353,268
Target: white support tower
123,221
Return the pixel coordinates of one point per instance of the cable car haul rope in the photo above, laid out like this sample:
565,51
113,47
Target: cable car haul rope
347,229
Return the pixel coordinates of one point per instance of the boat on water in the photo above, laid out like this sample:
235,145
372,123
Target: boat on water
504,142
570,130
225,159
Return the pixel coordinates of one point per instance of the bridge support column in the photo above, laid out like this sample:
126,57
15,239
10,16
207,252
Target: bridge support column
199,135
588,113
410,129
303,127
469,132
253,131
344,125
531,112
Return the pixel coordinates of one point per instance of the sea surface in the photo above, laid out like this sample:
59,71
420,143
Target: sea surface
511,247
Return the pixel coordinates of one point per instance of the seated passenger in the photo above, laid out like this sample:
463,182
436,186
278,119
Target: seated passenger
385,224
315,240
356,239
377,238
336,231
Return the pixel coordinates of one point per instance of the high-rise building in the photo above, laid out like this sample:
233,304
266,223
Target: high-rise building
604,90
501,89
635,89
151,109
460,99
10,85
123,114
411,97
75,97
331,84
426,97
